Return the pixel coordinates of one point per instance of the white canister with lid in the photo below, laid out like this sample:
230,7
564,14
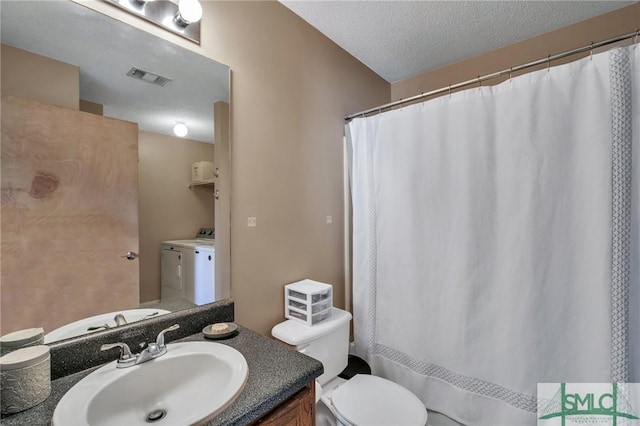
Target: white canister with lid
21,339
25,378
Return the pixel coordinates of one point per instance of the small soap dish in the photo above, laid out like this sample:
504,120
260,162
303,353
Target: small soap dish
211,334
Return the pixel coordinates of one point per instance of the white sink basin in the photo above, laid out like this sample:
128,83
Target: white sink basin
191,383
84,325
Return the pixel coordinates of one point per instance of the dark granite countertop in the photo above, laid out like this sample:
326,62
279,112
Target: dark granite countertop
276,373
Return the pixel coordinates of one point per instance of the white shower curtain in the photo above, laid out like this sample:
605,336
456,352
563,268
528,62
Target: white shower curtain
492,238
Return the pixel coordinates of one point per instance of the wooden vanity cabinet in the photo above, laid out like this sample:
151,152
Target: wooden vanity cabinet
299,410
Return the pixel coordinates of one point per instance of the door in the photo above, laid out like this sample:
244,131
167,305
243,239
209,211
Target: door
69,215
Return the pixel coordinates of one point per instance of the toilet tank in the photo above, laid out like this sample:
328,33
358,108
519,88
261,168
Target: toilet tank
328,342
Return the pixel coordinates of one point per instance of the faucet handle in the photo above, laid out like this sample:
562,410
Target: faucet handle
119,319
160,339
126,357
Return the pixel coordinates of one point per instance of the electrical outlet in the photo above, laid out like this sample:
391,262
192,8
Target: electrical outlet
251,222
329,219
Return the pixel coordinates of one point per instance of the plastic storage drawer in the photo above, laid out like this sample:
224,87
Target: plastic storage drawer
308,301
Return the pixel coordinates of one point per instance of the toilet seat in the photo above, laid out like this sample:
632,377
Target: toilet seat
366,400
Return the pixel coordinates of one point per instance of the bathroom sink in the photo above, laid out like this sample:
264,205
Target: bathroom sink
100,322
191,383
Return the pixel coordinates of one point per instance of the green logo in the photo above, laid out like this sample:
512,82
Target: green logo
588,403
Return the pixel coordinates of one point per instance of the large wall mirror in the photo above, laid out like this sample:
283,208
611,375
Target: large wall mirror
102,204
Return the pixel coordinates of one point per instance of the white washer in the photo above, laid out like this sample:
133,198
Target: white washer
188,269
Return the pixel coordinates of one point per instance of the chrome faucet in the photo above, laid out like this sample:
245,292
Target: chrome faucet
153,350
119,319
152,314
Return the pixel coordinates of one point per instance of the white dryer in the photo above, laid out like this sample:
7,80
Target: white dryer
188,269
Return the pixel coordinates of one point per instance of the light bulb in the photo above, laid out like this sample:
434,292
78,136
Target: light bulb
189,11
181,130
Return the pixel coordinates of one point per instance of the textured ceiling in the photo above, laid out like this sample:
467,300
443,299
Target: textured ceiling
105,50
400,39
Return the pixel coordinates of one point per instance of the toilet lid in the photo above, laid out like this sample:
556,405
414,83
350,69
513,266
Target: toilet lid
368,400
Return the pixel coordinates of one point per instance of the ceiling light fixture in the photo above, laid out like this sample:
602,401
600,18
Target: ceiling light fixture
181,18
180,130
189,12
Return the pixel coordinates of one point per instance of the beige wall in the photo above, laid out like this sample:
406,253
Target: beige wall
168,208
291,88
30,76
601,27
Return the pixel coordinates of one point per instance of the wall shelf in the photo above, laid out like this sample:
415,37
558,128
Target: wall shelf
203,184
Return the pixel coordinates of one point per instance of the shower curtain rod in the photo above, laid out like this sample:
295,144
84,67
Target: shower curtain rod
480,79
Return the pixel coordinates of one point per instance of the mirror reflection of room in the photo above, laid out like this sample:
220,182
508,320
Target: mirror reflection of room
110,176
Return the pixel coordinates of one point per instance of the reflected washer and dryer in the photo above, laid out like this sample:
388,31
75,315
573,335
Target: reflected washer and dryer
188,269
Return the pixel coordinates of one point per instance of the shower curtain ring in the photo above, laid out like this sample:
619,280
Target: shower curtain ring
635,39
548,62
591,52
479,84
510,73
449,91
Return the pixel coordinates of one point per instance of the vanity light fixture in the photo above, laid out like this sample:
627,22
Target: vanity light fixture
189,11
181,18
180,130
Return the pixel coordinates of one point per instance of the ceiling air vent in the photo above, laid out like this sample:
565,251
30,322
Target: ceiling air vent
149,77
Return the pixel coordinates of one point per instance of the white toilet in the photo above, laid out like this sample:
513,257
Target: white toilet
363,400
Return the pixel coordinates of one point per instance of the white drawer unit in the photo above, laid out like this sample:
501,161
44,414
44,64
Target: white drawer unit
308,301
